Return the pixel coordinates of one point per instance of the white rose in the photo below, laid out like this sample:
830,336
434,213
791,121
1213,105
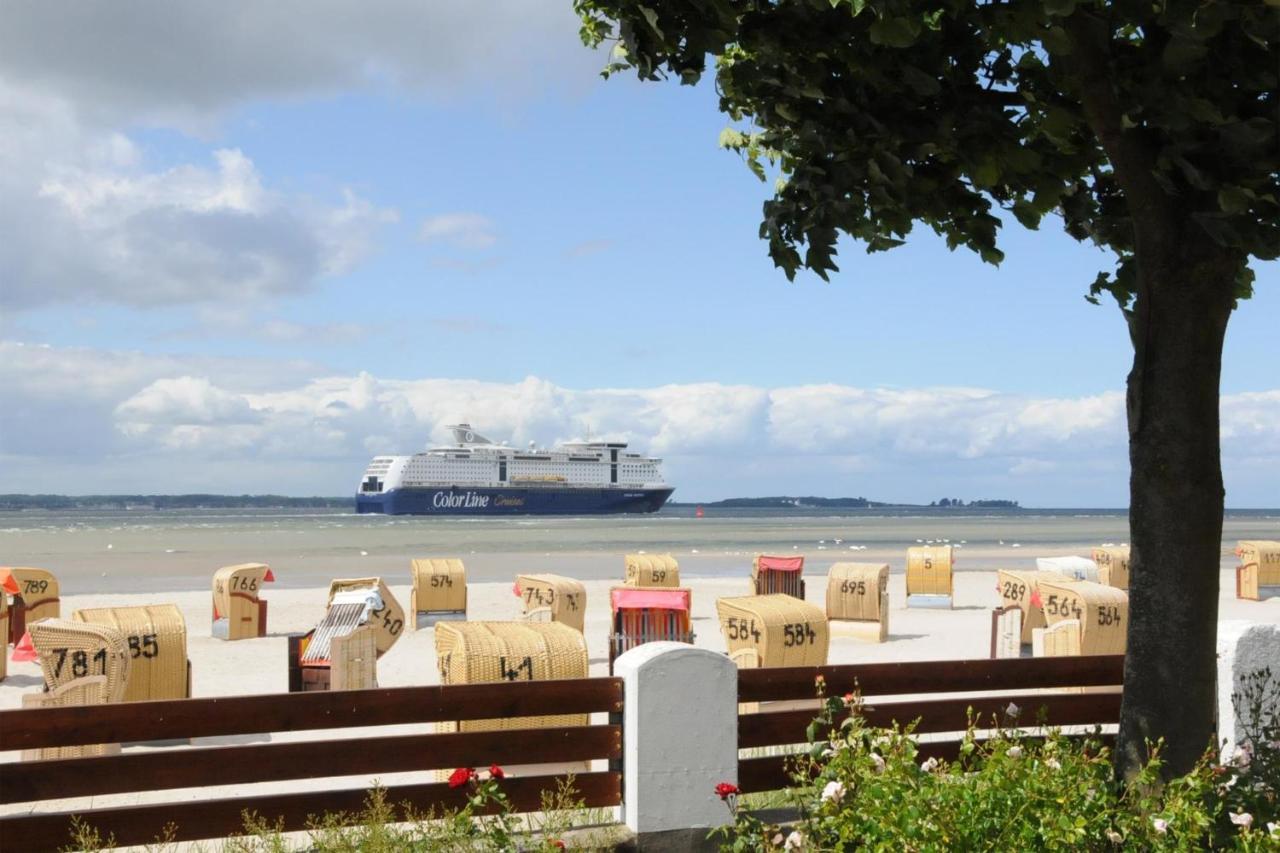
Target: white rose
833,791
1273,829
1161,825
1015,752
1114,837
1052,764
1242,819
1013,710
878,762
795,841
929,766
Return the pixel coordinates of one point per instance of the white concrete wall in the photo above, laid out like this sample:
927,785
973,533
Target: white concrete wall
1243,648
680,736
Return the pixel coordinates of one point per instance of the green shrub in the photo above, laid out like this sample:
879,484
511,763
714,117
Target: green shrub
1017,789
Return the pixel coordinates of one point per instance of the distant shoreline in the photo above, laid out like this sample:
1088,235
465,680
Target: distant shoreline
783,505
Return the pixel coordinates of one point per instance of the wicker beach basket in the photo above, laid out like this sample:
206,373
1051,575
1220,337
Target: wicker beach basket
439,586
238,611
564,599
353,660
858,592
69,651
1006,632
490,652
90,690
772,575
652,570
1113,565
156,637
36,598
1101,611
929,570
782,629
1021,588
1259,567
387,620
649,614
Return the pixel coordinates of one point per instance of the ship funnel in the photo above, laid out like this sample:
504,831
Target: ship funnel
463,434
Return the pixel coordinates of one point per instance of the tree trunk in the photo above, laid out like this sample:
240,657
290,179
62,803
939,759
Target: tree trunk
1185,297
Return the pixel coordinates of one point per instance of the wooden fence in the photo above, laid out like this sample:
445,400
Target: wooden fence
766,728
29,782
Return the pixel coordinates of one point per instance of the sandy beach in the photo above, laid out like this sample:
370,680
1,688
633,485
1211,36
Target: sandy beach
221,668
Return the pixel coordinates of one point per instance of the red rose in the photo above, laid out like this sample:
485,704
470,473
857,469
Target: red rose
558,844
725,790
495,772
461,776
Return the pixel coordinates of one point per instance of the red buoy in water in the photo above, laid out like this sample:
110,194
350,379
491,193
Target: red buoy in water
698,513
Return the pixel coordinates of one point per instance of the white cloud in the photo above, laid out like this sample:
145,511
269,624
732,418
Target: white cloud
71,416
85,219
180,64
469,231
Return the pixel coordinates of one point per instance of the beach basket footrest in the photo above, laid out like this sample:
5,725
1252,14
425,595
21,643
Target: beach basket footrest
930,602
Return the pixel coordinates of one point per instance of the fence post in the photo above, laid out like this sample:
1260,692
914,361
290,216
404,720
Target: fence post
1243,649
680,738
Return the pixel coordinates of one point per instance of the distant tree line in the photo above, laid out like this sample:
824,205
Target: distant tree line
989,504
20,502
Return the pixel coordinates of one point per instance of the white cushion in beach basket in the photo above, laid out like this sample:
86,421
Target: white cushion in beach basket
439,586
1113,565
858,591
652,570
490,652
1102,611
782,629
565,598
90,690
1021,588
1259,567
387,621
69,650
36,597
238,611
156,637
929,570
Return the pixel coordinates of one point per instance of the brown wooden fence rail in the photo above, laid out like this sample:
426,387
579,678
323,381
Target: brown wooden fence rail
29,782
1030,679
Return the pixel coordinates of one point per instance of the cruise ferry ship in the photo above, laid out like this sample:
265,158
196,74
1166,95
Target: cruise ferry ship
475,476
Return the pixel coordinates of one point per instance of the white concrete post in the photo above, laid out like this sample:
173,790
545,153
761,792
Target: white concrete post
680,738
1243,649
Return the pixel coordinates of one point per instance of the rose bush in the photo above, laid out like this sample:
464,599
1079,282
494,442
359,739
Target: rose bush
1018,789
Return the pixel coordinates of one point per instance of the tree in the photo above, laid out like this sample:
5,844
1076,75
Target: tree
1149,127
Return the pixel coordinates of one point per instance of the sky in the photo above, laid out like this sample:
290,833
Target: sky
248,246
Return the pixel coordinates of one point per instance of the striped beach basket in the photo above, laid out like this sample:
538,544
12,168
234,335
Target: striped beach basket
239,613
771,575
781,630
646,570
156,638
37,597
649,614
553,598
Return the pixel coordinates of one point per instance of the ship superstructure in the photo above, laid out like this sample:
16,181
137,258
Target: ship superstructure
477,476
